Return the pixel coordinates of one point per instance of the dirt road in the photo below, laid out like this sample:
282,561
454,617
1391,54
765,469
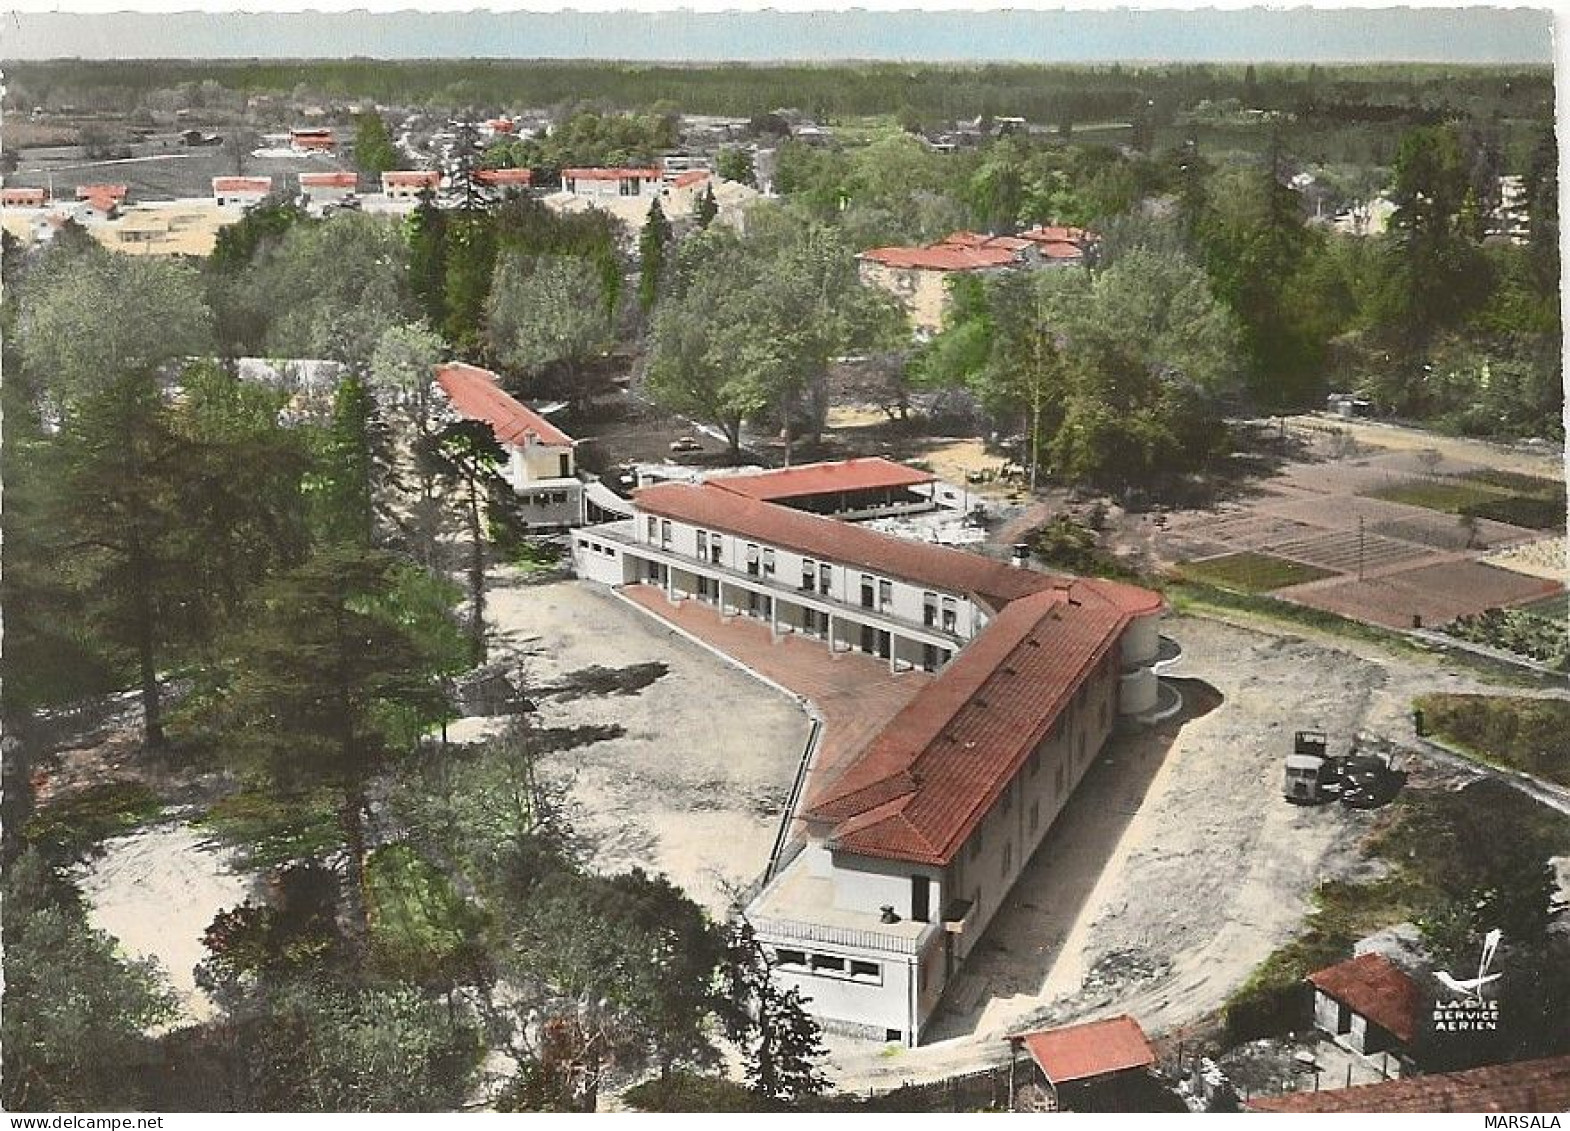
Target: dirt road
1547,462
1212,871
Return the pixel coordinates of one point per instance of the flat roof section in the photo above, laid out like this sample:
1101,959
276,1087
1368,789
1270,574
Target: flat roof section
833,477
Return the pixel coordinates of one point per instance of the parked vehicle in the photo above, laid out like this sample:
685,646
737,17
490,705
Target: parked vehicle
1311,775
1368,781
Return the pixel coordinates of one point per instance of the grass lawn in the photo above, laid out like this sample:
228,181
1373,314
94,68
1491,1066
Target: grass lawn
1520,500
1452,496
418,922
1252,572
1513,731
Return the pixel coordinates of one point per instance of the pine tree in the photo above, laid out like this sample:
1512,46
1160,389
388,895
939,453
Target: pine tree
780,1042
651,252
706,208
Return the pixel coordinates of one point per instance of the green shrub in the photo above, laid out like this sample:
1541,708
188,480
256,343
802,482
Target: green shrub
1520,631
1532,511
1527,734
269,829
691,1091
74,824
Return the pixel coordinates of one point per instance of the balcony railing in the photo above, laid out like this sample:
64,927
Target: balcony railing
855,938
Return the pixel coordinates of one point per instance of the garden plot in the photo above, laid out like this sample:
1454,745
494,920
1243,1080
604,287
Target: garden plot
1434,594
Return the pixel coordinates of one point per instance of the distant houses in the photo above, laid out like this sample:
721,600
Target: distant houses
918,276
328,188
22,198
315,139
639,182
406,184
241,191
506,179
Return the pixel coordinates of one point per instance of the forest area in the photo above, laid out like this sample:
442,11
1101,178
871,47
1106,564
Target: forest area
291,591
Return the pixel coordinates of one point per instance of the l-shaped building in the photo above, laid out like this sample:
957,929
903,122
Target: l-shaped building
911,850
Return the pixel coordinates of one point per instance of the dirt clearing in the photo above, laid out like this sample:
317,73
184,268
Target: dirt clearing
690,767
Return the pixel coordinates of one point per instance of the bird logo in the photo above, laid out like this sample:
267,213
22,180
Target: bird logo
1472,987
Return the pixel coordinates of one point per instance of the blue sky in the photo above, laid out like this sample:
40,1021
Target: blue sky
1455,34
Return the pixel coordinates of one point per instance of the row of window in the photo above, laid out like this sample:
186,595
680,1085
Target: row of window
545,499
596,547
828,965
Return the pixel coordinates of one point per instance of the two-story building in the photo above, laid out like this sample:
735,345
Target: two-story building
919,276
541,466
241,191
644,182
408,184
328,188
910,851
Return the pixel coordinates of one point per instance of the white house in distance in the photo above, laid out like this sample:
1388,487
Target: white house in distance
406,184
903,858
612,182
540,462
328,188
241,191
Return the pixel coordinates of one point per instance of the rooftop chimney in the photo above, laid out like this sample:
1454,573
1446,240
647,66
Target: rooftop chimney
1019,554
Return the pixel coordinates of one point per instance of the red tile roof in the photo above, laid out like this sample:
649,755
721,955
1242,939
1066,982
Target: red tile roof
691,177
1059,250
976,239
476,396
311,132
500,125
103,202
940,258
610,174
1375,987
22,196
1082,1052
505,176
329,180
822,479
1525,1086
1053,233
87,192
956,571
923,784
243,184
311,141
412,177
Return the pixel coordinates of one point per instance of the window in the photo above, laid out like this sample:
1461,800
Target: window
1035,815
920,899
866,591
885,595
1008,858
828,962
583,543
790,957
653,527
929,609
665,532
768,563
809,575
825,574
703,544
714,548
866,971
929,657
950,615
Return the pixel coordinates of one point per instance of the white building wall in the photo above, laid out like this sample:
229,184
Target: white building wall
598,559
866,883
884,1002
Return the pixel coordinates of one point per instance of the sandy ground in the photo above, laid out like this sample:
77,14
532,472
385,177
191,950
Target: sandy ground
156,890
695,786
1545,461
1177,867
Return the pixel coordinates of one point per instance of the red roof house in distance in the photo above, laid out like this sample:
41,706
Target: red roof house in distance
22,198
116,193
918,276
1367,1003
691,178
506,178
241,190
852,488
643,182
499,126
312,139
540,462
326,187
1095,1050
406,184
1058,245
1524,1086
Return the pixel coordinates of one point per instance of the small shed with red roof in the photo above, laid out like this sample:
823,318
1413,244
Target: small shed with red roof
849,488
241,190
1094,1051
1367,1003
